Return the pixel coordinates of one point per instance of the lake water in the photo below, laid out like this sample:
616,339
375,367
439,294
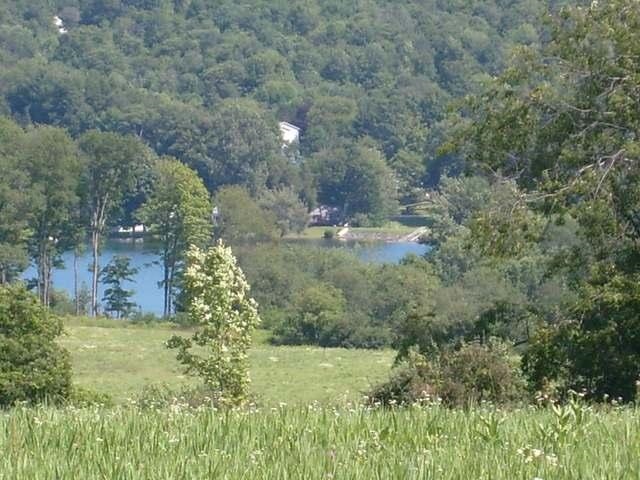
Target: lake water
148,295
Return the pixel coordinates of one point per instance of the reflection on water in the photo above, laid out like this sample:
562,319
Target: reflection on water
148,294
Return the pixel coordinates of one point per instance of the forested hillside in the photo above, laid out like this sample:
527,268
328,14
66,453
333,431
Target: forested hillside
207,82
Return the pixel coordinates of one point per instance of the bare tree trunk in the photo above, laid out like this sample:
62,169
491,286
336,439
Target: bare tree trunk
43,279
44,275
75,281
165,311
95,265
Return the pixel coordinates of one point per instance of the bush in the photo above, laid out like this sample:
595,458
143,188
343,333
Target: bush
472,374
83,397
33,367
318,316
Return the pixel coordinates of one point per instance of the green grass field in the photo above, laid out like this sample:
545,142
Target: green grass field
308,425
319,443
120,359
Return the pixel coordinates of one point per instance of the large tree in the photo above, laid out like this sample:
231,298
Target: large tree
179,213
565,122
242,146
112,164
355,178
15,203
51,159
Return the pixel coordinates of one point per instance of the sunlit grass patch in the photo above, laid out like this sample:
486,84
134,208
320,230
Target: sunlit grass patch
119,359
312,442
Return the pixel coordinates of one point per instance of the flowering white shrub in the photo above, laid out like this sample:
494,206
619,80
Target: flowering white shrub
217,300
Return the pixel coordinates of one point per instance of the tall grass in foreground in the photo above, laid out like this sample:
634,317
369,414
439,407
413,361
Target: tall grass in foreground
320,443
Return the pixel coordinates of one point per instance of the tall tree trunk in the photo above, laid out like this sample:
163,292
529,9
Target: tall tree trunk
43,281
75,281
44,275
172,272
165,311
95,248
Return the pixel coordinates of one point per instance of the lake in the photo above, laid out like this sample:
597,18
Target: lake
148,295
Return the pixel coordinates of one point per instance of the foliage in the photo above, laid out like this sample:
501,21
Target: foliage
85,398
113,163
564,122
242,144
290,211
241,219
51,159
33,367
218,300
323,296
159,396
317,316
15,203
471,374
207,82
600,354
116,298
355,178
179,212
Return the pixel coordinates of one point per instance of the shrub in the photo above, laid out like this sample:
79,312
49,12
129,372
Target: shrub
318,316
83,397
33,367
471,374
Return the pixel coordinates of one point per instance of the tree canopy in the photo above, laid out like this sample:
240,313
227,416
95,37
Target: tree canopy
564,123
208,82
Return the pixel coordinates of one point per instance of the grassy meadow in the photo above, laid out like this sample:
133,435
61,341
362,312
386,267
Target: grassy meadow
119,359
320,443
308,424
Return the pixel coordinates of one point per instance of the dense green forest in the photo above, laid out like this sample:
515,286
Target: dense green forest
512,126
207,82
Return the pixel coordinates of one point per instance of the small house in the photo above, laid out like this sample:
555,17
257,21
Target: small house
324,215
289,133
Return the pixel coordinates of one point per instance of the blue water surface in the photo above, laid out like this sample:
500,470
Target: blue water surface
148,292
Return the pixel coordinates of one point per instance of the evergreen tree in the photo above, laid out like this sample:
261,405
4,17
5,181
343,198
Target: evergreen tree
116,299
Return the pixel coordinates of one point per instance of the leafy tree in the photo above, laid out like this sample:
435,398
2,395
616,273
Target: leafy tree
15,203
33,367
291,213
241,145
112,163
178,211
240,217
329,119
355,178
51,159
218,301
116,298
564,121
